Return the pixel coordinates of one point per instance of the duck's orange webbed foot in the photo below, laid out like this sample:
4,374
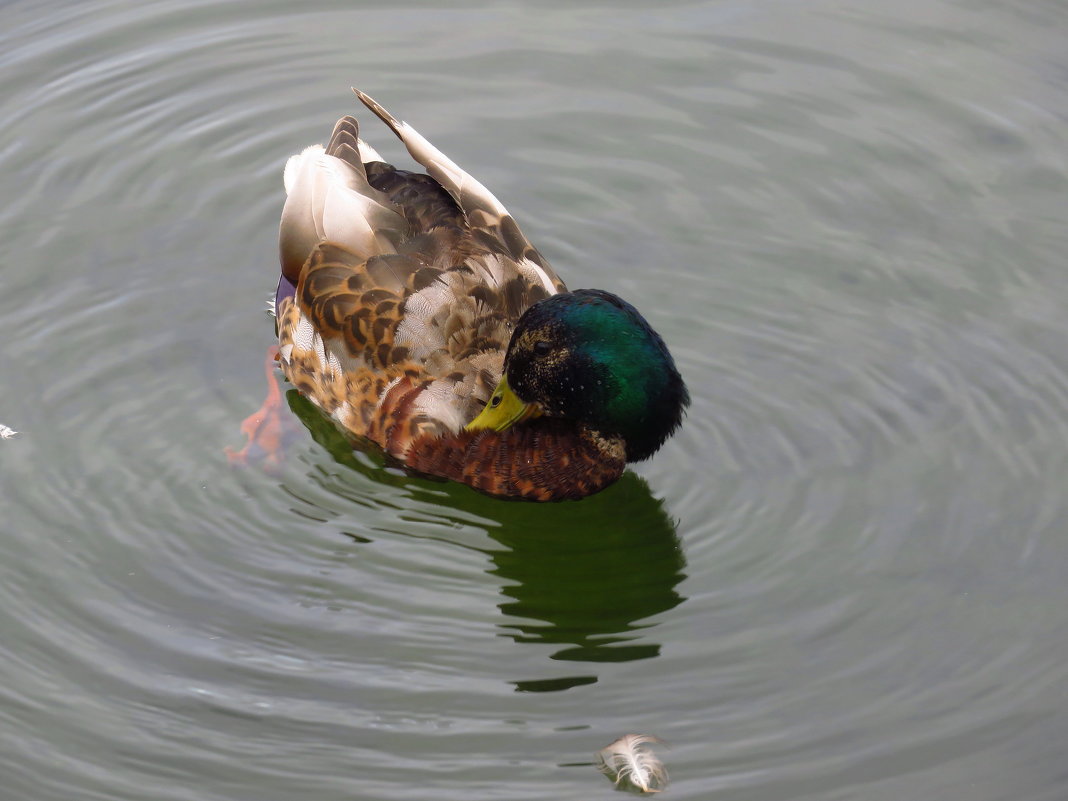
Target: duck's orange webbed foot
268,427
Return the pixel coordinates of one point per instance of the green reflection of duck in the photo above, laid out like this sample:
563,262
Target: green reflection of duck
586,574
580,575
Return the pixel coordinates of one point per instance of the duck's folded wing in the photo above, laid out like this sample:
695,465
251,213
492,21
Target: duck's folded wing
488,219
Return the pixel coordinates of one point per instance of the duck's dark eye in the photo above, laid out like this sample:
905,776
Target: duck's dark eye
495,401
542,348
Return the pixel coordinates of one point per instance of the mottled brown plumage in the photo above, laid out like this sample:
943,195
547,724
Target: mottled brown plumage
399,295
408,287
543,460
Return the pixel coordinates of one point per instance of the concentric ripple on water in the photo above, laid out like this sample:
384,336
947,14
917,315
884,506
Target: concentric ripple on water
843,579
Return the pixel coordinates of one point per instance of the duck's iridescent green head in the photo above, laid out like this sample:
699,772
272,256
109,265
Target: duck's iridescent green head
590,357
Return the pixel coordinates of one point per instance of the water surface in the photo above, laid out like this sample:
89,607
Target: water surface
844,579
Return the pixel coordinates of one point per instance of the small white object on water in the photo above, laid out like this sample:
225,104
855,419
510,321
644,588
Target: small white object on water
7,433
627,760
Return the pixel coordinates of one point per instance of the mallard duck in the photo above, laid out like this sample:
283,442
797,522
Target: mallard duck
413,311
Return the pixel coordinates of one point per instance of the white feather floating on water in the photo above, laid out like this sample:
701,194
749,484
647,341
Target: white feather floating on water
627,760
7,433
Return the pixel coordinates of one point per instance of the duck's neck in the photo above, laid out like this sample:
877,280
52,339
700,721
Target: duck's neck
541,460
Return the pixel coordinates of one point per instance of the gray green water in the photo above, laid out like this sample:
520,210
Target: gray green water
846,578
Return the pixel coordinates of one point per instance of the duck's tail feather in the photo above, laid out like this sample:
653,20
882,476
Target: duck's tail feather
330,199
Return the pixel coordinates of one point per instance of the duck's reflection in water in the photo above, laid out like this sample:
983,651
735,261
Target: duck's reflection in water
588,576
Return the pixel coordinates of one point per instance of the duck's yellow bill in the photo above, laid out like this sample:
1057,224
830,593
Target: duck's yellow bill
504,409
